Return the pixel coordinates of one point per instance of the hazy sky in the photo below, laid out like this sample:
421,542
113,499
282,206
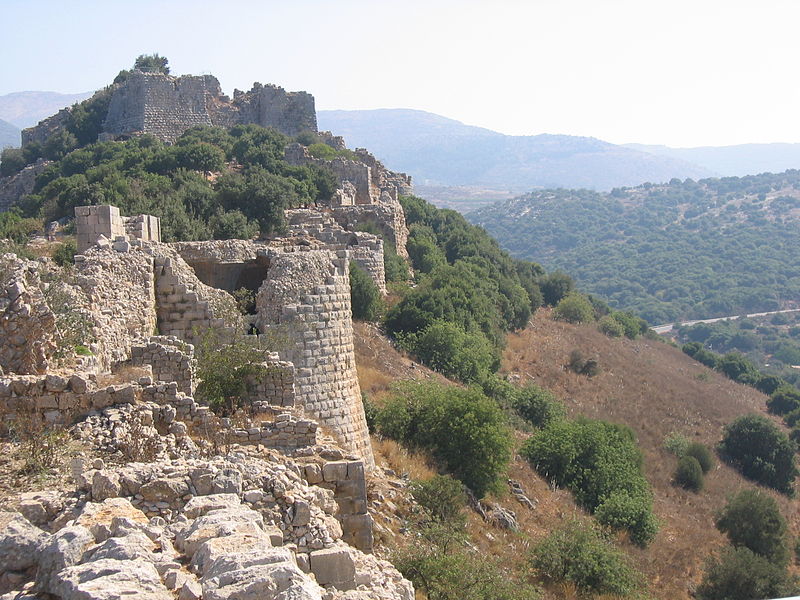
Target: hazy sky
675,72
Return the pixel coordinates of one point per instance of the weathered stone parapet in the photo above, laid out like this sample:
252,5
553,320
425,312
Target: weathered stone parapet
58,399
269,105
388,218
171,360
307,293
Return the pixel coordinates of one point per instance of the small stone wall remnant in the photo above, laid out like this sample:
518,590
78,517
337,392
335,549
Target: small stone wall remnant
307,293
92,222
27,325
170,359
120,289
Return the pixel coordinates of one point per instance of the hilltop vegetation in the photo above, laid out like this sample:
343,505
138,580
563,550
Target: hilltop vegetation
251,188
688,249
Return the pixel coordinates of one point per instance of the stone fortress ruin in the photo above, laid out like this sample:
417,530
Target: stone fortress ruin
147,305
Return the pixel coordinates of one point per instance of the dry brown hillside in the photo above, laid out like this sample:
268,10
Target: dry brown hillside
648,385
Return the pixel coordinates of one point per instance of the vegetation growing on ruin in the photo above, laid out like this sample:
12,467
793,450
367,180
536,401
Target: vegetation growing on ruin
249,190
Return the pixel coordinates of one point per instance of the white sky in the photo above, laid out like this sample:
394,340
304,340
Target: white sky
675,72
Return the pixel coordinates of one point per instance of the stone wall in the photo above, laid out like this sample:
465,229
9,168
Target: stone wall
307,294
27,325
92,222
120,289
347,480
166,106
186,306
366,250
170,360
290,113
14,187
388,218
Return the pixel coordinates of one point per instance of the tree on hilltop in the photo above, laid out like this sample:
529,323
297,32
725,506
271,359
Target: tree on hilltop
152,63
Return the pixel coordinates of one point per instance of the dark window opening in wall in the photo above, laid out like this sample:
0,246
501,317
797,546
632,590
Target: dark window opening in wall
243,280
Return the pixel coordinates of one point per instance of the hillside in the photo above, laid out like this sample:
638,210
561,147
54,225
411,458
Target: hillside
738,160
25,109
9,135
688,249
649,386
437,151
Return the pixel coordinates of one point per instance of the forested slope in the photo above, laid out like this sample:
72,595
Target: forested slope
687,249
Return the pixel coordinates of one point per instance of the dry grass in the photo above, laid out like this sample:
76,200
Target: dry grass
648,385
655,389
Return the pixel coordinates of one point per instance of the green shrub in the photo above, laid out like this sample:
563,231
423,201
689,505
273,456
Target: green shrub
574,308
689,474
631,512
676,443
463,429
224,371
599,463
555,286
609,326
760,451
579,554
702,454
784,400
793,418
370,412
440,566
65,253
365,297
700,354
739,574
395,266
752,519
442,497
448,349
537,406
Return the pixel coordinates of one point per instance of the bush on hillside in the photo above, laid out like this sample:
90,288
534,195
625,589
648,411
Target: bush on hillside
574,308
739,574
760,451
702,454
579,554
752,519
555,286
462,428
689,474
609,326
64,254
442,497
784,400
700,354
582,366
448,349
676,443
599,463
537,406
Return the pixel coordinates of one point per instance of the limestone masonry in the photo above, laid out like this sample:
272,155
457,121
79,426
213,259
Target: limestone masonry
166,106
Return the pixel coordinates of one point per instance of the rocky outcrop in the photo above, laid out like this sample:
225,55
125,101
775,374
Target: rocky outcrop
238,527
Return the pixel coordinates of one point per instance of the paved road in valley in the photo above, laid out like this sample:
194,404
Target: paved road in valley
669,326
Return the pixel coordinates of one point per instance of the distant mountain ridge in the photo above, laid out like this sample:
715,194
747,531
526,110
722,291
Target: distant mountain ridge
439,151
733,161
9,135
25,109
